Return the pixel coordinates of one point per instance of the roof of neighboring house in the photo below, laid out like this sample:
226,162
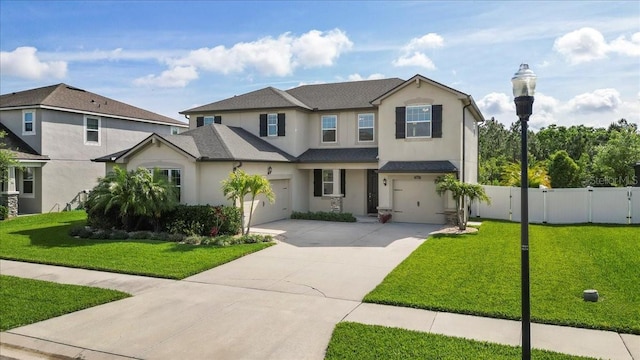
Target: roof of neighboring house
434,166
65,97
20,149
216,142
344,155
344,95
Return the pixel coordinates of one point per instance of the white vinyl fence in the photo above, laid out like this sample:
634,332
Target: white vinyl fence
563,206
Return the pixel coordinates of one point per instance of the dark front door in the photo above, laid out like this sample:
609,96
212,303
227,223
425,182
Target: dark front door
372,191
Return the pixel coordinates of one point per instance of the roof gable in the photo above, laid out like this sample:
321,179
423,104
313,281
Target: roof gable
20,149
67,97
266,98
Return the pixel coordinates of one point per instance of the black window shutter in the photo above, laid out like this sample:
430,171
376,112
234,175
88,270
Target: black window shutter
317,182
343,182
200,121
263,124
217,119
436,124
400,122
281,124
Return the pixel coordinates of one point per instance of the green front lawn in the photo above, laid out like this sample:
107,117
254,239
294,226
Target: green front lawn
480,274
362,342
45,239
26,301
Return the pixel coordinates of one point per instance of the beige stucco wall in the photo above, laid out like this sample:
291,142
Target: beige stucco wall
471,148
62,180
347,129
354,202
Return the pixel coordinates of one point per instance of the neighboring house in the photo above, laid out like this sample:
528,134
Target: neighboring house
363,147
55,131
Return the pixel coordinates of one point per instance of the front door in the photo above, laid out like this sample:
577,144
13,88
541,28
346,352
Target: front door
372,191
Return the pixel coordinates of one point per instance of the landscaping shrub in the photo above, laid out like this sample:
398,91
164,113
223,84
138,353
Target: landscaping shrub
119,235
4,212
76,230
323,216
140,235
202,220
85,233
101,235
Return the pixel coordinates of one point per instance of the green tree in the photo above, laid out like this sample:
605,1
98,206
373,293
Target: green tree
564,172
239,185
461,192
614,161
137,193
7,159
536,175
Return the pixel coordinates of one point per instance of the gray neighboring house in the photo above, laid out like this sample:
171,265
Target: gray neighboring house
365,147
55,131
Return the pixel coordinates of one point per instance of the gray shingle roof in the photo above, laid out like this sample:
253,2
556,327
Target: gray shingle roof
68,97
339,155
334,96
434,166
344,95
266,98
218,142
20,149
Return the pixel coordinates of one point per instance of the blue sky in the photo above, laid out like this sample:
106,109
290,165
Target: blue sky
168,56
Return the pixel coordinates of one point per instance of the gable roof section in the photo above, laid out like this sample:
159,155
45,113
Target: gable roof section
465,98
20,149
266,98
342,155
213,143
64,97
334,96
344,95
433,166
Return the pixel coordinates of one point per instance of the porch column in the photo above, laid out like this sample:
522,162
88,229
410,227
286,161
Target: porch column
336,197
9,197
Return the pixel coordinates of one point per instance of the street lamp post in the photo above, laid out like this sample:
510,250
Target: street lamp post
524,85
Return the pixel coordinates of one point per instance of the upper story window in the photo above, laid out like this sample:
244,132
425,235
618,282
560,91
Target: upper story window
28,122
329,128
175,130
272,124
365,127
418,120
208,120
91,130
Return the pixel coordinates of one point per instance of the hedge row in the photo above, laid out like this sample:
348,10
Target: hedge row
324,216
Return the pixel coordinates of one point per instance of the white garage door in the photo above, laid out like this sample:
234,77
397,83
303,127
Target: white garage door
416,201
263,211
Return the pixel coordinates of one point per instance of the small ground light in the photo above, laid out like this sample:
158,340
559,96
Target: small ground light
590,295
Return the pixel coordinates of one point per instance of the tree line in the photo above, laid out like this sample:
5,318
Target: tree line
560,157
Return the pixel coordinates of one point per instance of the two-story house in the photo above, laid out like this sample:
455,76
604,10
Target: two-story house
55,131
362,147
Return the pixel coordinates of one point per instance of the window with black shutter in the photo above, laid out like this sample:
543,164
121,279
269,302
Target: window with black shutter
317,182
200,121
437,121
400,122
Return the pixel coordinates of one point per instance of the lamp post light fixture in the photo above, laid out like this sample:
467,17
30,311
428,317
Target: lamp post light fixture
524,86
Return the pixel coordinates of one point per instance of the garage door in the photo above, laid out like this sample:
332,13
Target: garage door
416,201
263,211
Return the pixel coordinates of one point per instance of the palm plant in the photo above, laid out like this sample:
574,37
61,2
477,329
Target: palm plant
239,184
461,191
536,175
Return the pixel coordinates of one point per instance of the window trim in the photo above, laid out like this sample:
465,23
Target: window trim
332,181
407,121
33,122
373,128
323,129
273,117
205,122
174,130
86,130
24,194
169,170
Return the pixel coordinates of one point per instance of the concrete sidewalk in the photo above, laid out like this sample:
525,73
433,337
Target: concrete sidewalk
279,303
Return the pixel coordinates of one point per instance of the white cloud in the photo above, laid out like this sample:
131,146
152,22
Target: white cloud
416,59
588,44
358,77
315,49
428,41
413,54
23,62
600,100
626,47
178,76
270,56
495,104
545,109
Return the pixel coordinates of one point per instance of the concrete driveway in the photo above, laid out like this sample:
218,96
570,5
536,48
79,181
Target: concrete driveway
279,303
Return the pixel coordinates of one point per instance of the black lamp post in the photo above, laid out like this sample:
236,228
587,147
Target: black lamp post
524,86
